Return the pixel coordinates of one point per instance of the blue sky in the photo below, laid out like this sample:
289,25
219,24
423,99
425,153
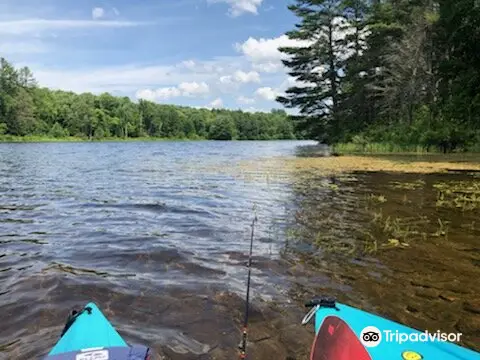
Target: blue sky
205,53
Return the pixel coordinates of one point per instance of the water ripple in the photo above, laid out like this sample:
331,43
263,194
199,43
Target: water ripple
120,222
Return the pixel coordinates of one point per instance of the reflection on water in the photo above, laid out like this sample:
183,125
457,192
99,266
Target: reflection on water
157,235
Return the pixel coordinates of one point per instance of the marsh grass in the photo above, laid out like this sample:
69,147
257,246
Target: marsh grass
377,198
380,148
442,230
461,195
417,184
389,227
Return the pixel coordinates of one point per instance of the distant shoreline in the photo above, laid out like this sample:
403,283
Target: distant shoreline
45,139
31,139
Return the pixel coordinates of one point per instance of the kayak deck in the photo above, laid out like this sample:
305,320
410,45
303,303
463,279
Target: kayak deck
89,330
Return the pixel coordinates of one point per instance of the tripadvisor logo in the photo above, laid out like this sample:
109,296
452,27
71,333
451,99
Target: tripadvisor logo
372,336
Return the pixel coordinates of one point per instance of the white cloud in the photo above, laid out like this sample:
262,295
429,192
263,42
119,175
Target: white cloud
188,64
244,77
194,88
116,78
240,7
264,53
98,13
116,11
187,89
226,79
159,94
245,100
267,93
220,65
260,50
240,76
146,94
18,27
216,104
269,67
167,93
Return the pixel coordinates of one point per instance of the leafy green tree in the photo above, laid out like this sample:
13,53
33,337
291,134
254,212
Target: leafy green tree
8,90
22,121
172,126
222,128
199,121
57,131
3,128
188,127
26,79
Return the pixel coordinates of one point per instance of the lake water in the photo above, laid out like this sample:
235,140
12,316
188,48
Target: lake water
157,234
142,230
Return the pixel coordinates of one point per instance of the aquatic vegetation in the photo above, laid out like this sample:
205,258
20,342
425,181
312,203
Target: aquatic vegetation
390,220
378,198
377,216
328,166
384,227
398,228
463,195
370,243
407,185
442,230
392,243
333,187
459,186
311,170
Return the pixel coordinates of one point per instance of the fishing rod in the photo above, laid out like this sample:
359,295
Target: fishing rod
243,345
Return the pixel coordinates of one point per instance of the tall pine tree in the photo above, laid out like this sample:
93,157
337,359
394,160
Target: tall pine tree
318,67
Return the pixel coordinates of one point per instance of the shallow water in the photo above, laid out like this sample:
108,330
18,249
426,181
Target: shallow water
157,234
395,247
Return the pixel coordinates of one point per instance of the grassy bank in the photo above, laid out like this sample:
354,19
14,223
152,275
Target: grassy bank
390,148
381,148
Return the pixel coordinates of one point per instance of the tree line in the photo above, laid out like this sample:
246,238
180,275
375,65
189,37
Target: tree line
27,109
405,72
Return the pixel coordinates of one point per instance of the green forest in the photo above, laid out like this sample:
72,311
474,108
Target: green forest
404,74
30,112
